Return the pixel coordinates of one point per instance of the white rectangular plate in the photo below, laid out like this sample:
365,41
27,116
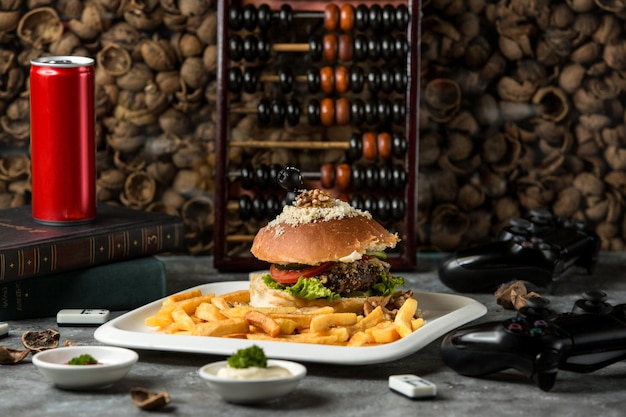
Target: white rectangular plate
442,313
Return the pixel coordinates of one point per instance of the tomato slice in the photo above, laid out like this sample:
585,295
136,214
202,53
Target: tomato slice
290,276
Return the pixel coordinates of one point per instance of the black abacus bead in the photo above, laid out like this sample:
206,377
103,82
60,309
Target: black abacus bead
235,18
398,208
373,80
370,204
245,207
385,177
359,47
375,17
250,17
316,48
373,49
285,80
402,17
387,81
401,47
387,47
258,207
357,79
388,17
274,170
371,112
285,16
247,177
264,17
250,81
250,48
398,146
272,207
261,176
290,178
383,208
356,147
264,112
371,176
235,48
356,201
278,112
264,48
293,112
400,80
235,80
384,110
313,80
357,111
361,17
399,176
398,111
357,177
313,112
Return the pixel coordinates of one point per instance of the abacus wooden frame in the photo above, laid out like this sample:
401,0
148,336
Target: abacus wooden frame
405,261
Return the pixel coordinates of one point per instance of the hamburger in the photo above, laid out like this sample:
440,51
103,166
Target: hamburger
322,251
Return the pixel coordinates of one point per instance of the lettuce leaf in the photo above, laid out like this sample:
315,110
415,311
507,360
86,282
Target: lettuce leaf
387,285
312,288
307,288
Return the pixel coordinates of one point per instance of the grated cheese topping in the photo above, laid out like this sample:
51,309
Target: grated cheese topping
293,215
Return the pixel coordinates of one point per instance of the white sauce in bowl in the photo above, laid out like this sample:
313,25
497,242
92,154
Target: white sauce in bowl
253,372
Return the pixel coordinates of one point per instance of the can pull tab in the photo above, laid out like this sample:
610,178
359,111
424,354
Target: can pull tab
60,61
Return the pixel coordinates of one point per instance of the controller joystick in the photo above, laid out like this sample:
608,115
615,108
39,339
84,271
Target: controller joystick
537,250
593,301
538,342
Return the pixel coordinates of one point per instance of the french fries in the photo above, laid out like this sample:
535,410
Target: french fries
231,315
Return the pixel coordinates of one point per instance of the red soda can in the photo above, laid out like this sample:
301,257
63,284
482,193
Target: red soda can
63,142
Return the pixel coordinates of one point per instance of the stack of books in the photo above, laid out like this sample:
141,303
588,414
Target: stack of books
108,263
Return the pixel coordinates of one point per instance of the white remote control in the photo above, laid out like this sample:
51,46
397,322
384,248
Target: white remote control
412,386
4,329
82,317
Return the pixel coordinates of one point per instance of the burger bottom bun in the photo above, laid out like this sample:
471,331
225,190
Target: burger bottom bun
263,296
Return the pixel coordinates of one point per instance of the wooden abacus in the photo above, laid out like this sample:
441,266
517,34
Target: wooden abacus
348,65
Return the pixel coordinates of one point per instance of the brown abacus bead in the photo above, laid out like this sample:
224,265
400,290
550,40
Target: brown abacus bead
383,141
327,112
331,17
342,79
346,17
342,177
345,50
342,111
369,146
327,175
330,47
327,80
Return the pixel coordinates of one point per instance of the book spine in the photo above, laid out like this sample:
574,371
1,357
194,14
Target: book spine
50,258
119,286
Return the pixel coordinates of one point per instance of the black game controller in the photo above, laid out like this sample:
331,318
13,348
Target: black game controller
537,250
538,342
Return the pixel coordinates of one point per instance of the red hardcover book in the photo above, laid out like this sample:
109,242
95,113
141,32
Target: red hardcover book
29,249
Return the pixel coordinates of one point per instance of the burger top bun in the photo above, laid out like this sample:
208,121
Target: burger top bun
317,229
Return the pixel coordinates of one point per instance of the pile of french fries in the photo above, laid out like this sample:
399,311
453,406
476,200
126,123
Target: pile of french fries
231,315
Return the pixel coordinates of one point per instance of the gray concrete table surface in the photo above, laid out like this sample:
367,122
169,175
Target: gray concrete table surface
332,390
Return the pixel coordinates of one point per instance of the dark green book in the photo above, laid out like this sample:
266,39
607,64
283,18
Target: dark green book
123,285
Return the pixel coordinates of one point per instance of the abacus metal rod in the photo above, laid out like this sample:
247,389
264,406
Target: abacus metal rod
264,144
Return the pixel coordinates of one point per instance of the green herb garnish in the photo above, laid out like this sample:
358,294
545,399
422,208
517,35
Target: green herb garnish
84,359
246,358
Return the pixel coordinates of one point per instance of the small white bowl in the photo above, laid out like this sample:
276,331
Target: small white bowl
114,364
253,390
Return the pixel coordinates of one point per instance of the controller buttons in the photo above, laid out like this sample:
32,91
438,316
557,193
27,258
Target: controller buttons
536,331
515,327
540,323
